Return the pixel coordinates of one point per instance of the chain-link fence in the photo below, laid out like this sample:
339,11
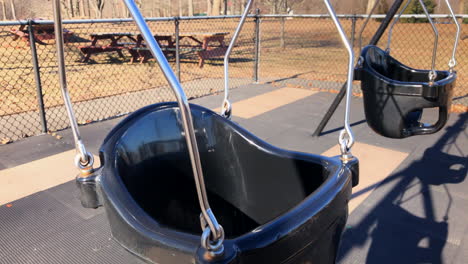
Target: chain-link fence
111,73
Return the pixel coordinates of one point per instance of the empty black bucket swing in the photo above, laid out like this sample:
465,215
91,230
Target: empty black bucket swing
182,184
395,95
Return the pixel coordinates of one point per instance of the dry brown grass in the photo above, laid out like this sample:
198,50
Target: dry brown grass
312,52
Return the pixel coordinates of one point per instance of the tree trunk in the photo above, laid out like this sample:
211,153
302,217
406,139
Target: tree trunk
242,6
124,9
72,11
89,8
223,7
274,8
13,11
233,7
208,7
216,8
157,7
82,8
180,8
169,8
113,7
190,7
461,6
3,9
370,5
98,6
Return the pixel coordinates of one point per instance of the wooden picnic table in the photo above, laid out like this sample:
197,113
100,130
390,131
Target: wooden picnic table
113,46
206,45
42,33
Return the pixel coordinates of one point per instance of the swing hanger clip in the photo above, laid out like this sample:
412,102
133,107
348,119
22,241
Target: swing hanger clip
84,160
212,242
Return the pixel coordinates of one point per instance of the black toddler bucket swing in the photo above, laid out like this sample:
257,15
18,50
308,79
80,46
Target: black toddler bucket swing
160,165
395,95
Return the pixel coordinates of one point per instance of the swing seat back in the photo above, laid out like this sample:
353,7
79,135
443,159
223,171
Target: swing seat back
395,95
275,205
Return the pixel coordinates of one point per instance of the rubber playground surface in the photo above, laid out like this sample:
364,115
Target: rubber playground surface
411,205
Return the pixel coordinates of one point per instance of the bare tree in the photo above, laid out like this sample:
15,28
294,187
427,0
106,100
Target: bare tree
223,7
281,6
3,9
216,8
82,8
157,4
72,10
233,7
190,7
98,7
169,8
209,6
66,7
124,9
180,8
13,10
114,9
370,5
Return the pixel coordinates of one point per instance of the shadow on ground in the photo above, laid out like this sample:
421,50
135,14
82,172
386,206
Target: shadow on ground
409,223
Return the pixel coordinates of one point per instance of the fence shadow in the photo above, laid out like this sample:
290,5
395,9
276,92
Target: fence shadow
414,235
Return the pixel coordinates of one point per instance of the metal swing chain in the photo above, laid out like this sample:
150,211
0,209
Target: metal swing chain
346,138
432,72
452,62
83,160
361,59
213,234
226,108
390,31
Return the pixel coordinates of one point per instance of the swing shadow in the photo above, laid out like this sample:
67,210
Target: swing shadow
398,228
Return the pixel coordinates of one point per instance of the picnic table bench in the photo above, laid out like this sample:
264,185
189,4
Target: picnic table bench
42,33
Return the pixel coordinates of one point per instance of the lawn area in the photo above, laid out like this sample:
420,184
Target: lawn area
311,51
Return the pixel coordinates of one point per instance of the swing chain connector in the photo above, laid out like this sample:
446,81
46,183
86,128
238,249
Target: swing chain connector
360,61
212,241
85,165
452,63
432,76
226,109
346,143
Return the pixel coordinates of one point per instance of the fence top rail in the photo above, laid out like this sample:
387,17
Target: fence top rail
359,16
124,20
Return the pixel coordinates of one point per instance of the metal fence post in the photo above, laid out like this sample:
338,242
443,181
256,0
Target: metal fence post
257,44
177,53
37,77
282,44
353,29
